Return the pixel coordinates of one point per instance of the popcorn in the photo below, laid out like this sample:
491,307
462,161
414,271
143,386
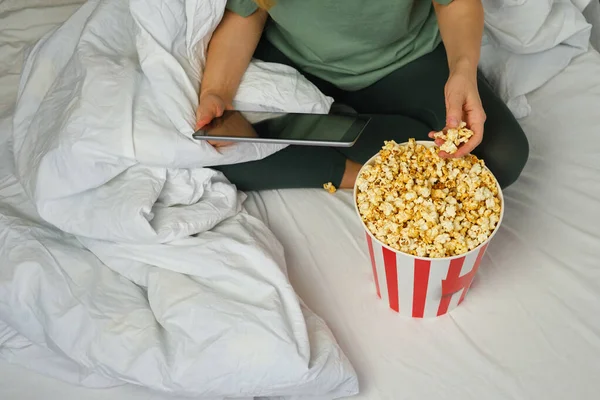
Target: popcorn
418,203
454,137
329,187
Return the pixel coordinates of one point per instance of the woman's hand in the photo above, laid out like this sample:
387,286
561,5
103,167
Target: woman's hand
463,104
211,106
210,117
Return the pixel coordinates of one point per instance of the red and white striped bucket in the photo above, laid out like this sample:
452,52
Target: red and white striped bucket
423,287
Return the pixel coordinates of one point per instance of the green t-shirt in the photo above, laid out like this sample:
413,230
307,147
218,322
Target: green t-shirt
350,43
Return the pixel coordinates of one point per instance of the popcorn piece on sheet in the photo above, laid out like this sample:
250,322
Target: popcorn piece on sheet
454,137
329,187
418,203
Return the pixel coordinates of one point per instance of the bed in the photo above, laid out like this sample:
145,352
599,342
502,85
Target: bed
529,328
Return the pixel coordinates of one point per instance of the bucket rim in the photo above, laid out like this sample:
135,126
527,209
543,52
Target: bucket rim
426,143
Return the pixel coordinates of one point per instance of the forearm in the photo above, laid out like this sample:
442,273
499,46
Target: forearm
229,53
461,27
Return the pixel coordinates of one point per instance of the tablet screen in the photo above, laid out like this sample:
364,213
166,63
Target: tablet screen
329,129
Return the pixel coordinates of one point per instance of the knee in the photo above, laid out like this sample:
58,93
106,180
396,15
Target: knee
505,152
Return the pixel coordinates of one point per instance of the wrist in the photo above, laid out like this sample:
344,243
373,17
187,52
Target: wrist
227,100
463,65
210,92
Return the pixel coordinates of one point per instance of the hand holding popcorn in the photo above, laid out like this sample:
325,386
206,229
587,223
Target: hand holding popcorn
456,142
453,137
463,103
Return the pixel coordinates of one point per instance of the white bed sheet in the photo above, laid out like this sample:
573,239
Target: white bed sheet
529,327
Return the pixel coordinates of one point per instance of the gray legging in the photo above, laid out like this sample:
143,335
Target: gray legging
409,103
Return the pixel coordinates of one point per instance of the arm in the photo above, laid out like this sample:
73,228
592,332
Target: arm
229,53
461,27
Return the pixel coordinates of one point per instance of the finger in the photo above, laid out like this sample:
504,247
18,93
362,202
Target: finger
476,121
205,116
432,135
443,154
202,122
475,114
215,143
468,147
219,110
463,151
224,144
219,143
477,126
439,142
454,110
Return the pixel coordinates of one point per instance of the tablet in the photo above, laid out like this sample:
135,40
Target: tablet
332,130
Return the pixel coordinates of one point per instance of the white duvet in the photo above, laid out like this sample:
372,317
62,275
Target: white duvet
126,261
122,259
528,42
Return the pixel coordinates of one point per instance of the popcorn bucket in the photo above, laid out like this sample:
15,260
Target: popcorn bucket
421,287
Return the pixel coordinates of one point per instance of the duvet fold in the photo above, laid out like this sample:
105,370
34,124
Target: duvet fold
125,259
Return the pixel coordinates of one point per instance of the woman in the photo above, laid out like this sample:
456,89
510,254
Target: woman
413,60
